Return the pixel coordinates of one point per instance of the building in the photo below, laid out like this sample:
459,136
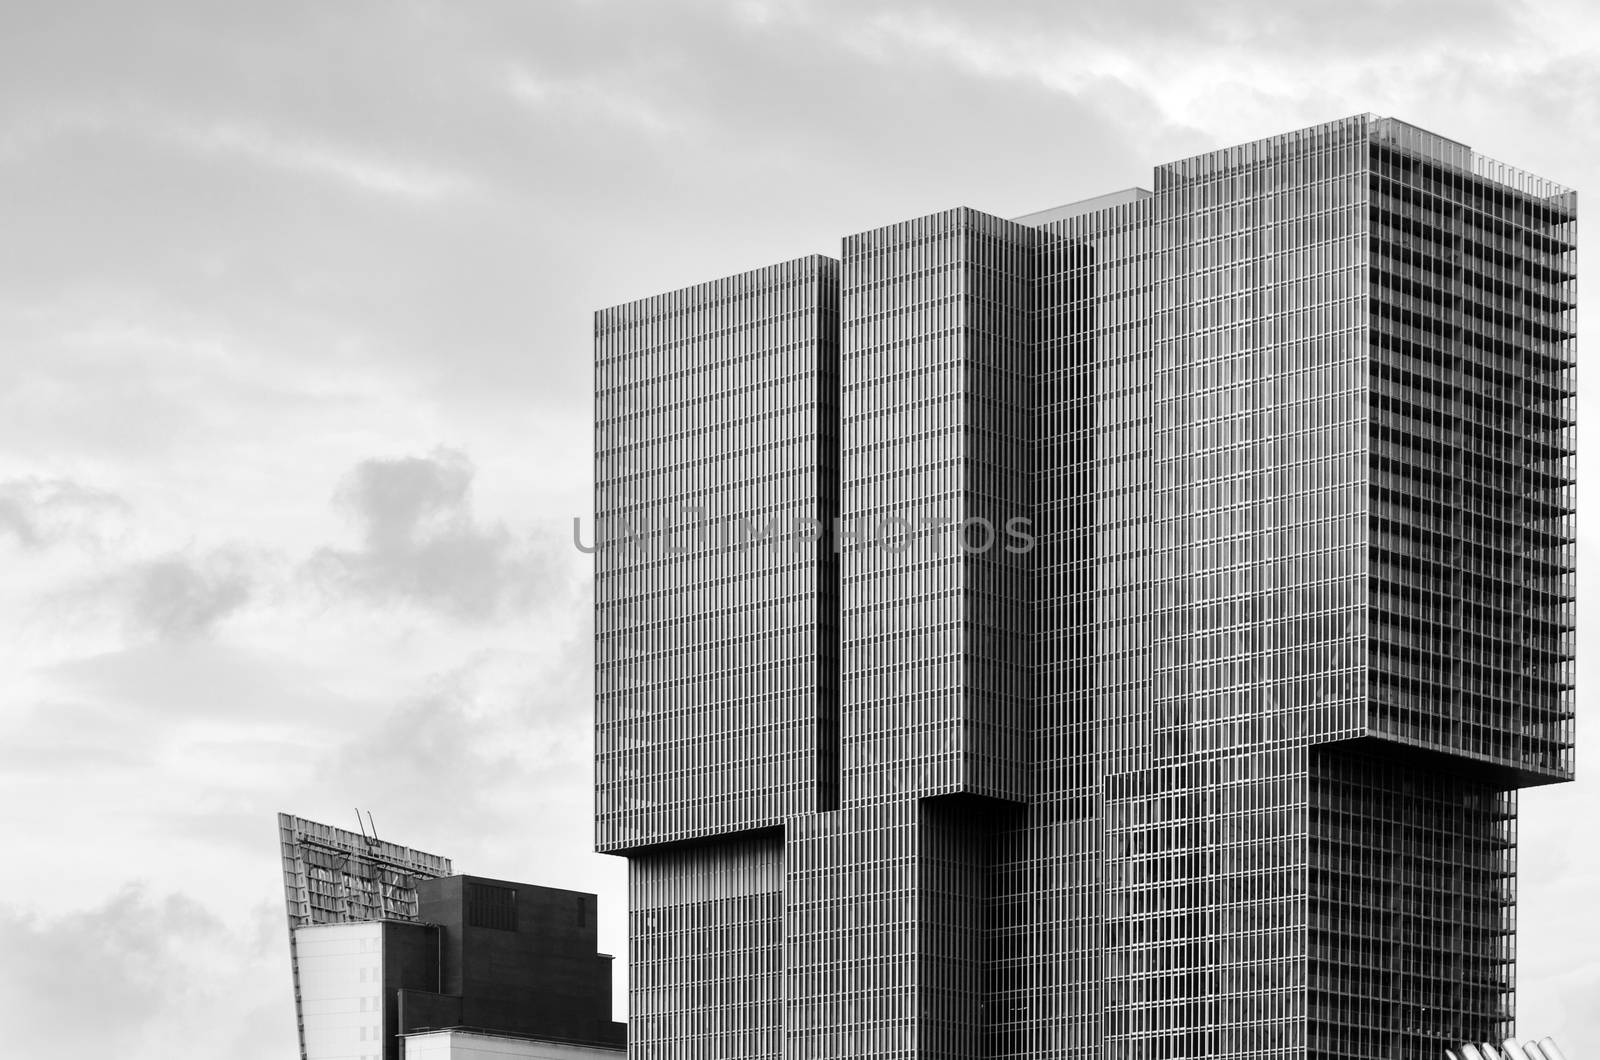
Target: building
453,966
335,876
460,1044
1121,630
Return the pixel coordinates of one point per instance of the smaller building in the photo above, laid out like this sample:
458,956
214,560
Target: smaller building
490,968
460,1044
350,977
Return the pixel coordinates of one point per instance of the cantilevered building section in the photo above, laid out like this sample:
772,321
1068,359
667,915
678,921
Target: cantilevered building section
1195,595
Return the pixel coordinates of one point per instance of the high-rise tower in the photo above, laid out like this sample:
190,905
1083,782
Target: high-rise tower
1121,630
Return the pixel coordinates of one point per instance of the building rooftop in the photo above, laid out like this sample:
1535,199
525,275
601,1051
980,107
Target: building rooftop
1083,206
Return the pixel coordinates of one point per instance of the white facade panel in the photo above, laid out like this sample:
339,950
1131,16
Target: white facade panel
341,990
471,1045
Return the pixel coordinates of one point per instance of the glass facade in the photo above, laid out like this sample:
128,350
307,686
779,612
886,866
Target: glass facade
1257,549
716,618
936,464
705,948
1202,594
716,676
1471,434
934,361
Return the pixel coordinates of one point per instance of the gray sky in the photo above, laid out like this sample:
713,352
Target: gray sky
294,400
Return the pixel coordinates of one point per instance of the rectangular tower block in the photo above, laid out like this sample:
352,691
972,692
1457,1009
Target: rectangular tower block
1117,632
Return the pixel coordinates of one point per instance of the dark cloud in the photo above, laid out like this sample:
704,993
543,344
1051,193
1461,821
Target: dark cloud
181,597
399,500
421,543
15,521
177,597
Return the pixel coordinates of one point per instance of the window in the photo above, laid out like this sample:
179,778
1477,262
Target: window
491,907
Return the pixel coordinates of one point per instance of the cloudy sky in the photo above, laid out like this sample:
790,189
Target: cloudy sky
294,394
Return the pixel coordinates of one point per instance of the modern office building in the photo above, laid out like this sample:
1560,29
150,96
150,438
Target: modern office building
451,966
1118,631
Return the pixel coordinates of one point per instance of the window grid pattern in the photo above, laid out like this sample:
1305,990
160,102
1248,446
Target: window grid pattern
714,415
1091,682
1412,908
850,924
1224,764
1257,572
1259,498
1205,907
705,944
935,629
1472,466
934,432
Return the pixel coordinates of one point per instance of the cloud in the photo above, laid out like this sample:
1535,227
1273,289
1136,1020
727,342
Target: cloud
39,512
142,976
505,735
1228,24
14,519
593,99
347,165
1558,968
434,743
422,544
180,597
167,682
342,164
176,596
